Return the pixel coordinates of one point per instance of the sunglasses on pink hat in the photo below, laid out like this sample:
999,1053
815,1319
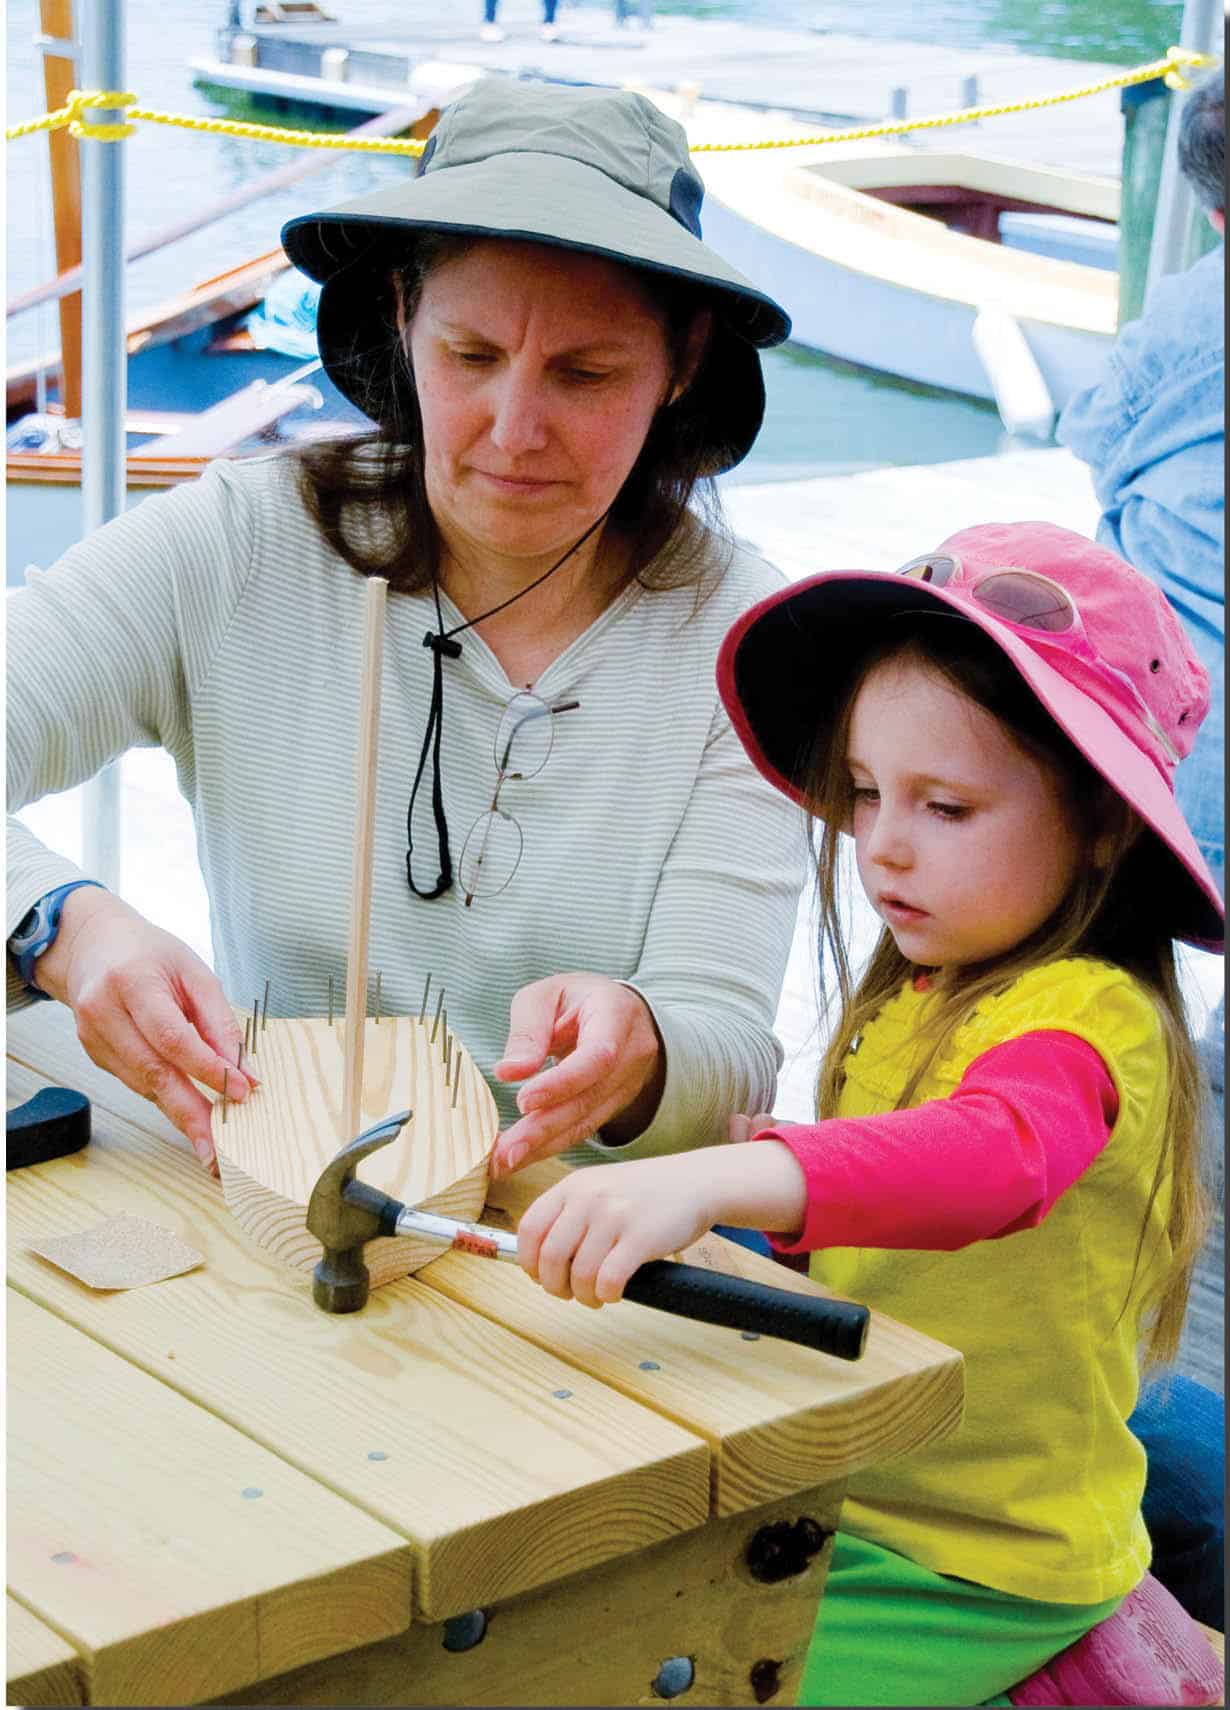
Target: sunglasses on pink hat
1094,640
1031,601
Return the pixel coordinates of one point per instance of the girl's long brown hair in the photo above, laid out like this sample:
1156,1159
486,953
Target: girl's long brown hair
1108,914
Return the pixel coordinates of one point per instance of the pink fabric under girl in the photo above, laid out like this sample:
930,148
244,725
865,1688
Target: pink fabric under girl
1149,1651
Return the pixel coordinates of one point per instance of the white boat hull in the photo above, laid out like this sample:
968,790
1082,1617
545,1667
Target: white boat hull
888,326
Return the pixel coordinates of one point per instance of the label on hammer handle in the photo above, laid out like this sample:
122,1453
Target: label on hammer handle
479,1246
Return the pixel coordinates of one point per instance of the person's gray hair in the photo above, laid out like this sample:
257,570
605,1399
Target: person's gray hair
1202,139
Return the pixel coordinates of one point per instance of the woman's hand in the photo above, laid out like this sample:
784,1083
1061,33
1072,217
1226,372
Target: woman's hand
147,1009
609,1071
585,1236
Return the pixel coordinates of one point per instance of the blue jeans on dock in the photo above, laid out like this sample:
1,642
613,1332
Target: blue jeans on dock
1182,1427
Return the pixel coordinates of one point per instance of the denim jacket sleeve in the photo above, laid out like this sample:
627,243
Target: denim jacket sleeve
1152,429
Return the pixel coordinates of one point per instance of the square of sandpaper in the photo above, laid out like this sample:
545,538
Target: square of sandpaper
123,1252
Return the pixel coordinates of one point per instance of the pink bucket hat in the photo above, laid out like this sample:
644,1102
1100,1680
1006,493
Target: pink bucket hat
1094,639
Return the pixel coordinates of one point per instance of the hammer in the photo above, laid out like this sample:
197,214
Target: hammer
345,1213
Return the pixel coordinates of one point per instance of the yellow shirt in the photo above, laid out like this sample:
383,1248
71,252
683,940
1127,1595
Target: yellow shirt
1038,1494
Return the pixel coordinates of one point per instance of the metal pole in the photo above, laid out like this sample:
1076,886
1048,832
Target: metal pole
1177,209
104,391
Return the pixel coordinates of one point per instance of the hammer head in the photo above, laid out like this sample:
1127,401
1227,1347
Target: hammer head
344,1214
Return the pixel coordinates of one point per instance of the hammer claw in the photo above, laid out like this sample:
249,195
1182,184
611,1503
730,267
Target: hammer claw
344,1214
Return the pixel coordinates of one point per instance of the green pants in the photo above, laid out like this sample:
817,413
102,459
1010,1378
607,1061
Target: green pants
893,1633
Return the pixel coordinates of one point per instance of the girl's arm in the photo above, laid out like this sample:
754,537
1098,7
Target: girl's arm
1027,1119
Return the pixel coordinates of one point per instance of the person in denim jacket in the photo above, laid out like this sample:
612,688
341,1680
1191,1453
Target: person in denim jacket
1153,433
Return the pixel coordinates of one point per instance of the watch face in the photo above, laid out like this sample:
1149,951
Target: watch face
36,931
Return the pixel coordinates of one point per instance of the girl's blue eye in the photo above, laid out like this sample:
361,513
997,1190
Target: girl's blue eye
864,793
948,810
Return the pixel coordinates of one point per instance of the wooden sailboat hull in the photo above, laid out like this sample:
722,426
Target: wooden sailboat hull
880,285
272,1148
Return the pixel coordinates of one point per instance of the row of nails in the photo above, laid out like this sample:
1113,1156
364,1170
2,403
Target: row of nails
261,1010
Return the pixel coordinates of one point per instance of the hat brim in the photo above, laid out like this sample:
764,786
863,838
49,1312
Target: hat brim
785,662
541,197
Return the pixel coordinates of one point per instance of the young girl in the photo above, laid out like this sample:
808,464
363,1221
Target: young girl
1007,1154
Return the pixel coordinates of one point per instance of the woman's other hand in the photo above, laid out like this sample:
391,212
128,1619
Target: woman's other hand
609,1070
147,1009
584,1237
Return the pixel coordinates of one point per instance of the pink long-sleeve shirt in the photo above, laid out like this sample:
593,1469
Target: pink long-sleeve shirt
1027,1119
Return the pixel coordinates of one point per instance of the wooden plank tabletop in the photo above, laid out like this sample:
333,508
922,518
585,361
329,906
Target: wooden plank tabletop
511,1440
155,1536
504,1467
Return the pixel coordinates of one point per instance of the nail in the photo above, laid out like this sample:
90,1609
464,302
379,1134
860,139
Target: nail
423,1005
513,1158
448,1050
439,1006
265,1011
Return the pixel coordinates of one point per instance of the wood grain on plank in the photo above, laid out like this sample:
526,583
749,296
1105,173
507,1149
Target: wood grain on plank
180,1556
499,1481
600,1638
272,1147
774,1414
41,1667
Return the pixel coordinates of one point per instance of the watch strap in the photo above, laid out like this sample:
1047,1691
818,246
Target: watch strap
36,931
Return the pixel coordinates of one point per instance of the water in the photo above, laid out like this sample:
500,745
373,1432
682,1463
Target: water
823,416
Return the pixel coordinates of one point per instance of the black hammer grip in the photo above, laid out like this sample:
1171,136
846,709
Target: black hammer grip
836,1327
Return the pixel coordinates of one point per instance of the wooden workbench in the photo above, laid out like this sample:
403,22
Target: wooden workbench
219,1493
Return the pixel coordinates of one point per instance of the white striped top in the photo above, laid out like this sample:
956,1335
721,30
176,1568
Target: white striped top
214,621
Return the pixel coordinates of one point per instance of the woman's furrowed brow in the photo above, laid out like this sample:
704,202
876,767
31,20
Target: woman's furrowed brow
603,344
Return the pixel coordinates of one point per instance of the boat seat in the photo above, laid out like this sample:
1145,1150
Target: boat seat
222,427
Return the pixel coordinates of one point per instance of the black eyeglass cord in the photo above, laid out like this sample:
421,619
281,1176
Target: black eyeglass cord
444,646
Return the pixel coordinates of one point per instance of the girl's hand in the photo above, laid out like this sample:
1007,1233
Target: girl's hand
147,1009
585,1236
609,1071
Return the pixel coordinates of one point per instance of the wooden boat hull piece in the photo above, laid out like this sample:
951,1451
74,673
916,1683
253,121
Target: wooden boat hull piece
272,1148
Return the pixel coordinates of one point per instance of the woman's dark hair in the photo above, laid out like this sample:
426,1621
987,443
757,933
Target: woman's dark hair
368,493
1202,140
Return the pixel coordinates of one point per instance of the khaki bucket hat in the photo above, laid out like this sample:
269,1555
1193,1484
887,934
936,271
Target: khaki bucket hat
602,171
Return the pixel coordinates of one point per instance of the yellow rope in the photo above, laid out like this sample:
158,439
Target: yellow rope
1171,69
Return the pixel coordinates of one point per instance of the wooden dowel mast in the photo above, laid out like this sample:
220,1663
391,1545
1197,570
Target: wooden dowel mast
361,865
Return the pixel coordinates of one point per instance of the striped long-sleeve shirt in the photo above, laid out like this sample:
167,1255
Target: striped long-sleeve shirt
214,621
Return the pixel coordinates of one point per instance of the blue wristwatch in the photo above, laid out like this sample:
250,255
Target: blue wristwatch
36,931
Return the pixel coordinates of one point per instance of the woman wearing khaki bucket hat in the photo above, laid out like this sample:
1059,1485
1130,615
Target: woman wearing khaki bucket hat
555,366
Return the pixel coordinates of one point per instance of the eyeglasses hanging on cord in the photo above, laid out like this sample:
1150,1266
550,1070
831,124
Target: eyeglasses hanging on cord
443,644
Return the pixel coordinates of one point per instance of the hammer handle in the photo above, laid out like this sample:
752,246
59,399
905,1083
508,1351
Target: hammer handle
837,1327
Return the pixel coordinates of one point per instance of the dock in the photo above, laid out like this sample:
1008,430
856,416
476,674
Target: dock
875,519
812,75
